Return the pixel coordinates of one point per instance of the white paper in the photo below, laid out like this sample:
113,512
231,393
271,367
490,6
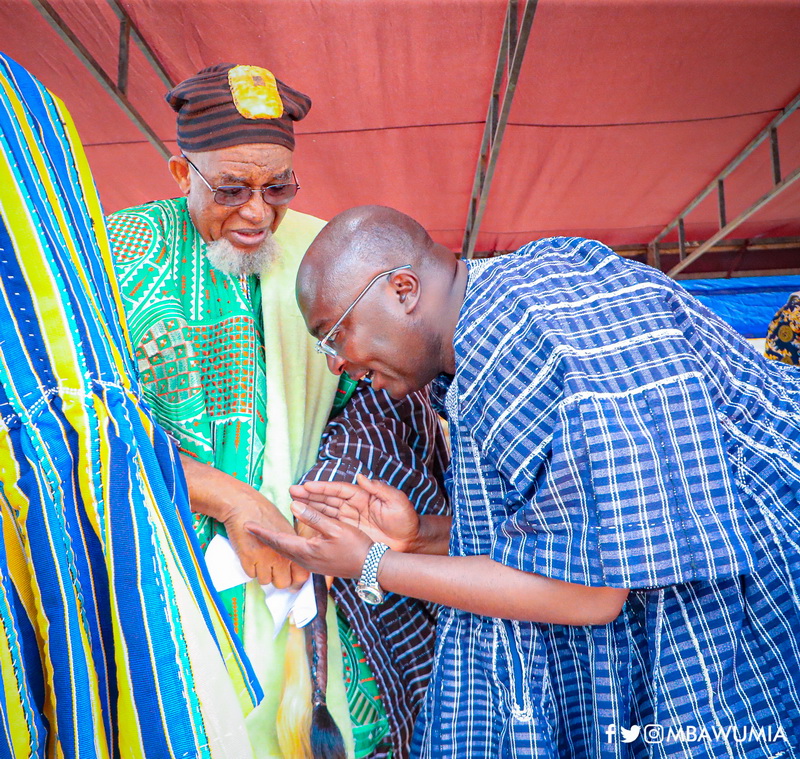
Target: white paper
224,565
299,605
304,608
226,572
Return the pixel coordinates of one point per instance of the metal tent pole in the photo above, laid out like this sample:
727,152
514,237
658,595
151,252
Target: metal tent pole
115,90
718,184
509,62
129,28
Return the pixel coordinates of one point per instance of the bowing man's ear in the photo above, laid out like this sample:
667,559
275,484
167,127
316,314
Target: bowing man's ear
406,286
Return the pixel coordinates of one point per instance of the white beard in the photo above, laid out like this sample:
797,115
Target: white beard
229,259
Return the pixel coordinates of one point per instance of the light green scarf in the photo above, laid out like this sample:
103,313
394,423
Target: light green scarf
300,394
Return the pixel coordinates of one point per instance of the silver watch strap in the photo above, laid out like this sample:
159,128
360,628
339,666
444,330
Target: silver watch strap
369,572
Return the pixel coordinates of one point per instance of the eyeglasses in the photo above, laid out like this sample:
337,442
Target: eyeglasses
238,195
323,345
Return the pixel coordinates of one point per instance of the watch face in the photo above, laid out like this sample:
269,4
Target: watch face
370,594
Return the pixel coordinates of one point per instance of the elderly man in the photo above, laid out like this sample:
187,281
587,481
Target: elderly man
208,286
624,568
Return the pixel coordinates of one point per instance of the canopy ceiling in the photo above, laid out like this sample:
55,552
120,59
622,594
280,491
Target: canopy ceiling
624,110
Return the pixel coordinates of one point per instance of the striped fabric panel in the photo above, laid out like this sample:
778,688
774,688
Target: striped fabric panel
401,443
209,119
112,642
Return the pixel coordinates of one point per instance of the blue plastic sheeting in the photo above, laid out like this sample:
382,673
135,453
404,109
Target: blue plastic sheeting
748,304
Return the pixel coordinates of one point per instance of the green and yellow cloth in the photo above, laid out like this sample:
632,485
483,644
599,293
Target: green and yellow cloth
231,372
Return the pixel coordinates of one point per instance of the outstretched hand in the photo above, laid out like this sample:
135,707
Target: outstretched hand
336,548
384,513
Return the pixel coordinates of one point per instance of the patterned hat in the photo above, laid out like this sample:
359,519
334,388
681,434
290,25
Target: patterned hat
226,105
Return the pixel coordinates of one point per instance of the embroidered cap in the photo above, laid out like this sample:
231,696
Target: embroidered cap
226,105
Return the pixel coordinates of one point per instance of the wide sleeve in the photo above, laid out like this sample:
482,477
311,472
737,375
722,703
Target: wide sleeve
632,489
604,447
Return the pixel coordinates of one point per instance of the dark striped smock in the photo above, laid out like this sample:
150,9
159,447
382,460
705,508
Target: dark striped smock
401,443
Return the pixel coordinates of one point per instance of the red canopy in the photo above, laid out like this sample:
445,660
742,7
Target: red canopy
623,111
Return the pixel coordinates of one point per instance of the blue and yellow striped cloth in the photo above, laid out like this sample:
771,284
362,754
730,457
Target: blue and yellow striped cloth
112,644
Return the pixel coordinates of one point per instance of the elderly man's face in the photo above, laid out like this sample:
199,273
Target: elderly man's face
247,226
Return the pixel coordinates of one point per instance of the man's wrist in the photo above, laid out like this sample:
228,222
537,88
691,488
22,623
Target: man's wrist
212,492
382,565
417,543
433,535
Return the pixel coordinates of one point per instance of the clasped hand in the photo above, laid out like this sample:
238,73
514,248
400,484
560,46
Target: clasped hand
235,503
259,562
346,519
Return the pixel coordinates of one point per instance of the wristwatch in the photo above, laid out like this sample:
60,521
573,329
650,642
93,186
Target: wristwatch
367,588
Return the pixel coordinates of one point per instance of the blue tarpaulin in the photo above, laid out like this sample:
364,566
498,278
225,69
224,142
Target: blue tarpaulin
748,304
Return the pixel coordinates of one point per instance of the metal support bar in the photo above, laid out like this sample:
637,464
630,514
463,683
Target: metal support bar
124,54
730,245
681,240
509,62
654,255
715,183
728,228
512,19
776,156
723,216
148,52
62,29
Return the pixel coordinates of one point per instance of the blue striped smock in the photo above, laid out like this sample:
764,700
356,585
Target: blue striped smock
608,429
111,642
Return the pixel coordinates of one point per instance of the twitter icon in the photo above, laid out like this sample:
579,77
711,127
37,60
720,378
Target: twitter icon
630,734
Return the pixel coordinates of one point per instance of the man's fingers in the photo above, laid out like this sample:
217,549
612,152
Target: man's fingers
353,518
282,574
323,500
371,486
335,488
328,504
325,508
338,509
379,489
311,514
289,545
299,576
263,573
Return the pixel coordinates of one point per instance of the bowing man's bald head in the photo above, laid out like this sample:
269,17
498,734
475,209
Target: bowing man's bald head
381,324
357,244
